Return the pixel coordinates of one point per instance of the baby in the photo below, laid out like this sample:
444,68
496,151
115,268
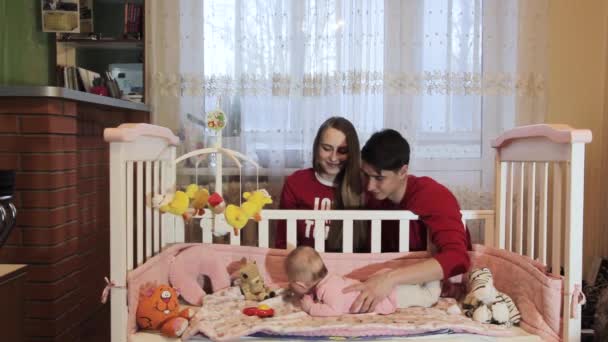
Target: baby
308,277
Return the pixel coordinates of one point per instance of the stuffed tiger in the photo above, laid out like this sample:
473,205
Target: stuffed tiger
485,304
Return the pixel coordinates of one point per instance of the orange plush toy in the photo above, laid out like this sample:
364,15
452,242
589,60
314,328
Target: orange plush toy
158,309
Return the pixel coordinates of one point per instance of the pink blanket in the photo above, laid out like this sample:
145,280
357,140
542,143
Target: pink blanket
221,319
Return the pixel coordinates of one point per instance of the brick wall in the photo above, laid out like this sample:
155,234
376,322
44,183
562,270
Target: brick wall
62,194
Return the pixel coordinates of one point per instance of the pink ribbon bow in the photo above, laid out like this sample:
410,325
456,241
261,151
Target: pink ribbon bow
106,290
578,298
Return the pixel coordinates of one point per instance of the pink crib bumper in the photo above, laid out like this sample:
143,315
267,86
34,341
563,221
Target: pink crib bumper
536,294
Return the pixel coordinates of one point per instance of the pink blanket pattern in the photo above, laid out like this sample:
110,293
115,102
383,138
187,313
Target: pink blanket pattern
221,319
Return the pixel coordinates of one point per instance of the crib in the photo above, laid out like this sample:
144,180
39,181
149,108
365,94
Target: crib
538,215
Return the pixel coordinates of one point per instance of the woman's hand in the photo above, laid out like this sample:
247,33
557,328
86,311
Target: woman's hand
373,291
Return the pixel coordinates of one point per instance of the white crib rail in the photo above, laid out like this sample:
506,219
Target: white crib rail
548,160
141,164
347,217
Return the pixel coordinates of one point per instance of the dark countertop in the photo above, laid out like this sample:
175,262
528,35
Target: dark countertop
69,94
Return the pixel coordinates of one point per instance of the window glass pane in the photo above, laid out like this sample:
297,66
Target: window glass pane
465,113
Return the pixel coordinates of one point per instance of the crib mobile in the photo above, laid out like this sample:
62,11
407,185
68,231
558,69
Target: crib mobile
191,202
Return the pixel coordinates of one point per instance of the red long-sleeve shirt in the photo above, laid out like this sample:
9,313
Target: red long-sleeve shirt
303,190
438,210
436,206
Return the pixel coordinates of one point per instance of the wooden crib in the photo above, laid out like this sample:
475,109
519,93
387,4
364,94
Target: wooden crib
538,208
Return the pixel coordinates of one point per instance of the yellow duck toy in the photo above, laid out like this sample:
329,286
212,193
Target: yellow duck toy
254,203
187,203
178,205
191,190
237,216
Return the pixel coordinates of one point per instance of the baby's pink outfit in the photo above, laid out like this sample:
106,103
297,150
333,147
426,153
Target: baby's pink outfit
332,302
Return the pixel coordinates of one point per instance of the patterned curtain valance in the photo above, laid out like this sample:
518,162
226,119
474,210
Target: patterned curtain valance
435,82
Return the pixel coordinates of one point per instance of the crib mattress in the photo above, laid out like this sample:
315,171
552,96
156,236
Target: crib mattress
519,335
516,334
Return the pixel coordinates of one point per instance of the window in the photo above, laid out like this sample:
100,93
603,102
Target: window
282,67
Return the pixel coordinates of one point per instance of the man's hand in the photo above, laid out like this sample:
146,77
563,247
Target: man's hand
373,291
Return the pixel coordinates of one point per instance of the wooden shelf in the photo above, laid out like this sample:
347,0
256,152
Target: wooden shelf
70,94
107,44
124,44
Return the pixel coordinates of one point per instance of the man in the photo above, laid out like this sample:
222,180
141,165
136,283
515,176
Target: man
385,158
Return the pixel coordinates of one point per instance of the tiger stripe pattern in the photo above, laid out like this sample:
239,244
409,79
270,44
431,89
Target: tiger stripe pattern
514,314
481,285
500,308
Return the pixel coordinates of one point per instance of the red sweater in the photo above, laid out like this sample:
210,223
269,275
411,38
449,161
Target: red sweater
302,190
438,210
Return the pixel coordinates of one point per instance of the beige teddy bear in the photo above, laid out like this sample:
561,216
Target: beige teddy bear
250,281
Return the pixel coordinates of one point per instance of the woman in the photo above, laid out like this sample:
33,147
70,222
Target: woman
334,182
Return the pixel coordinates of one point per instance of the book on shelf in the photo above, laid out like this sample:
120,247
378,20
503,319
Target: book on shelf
69,78
81,79
133,20
87,77
72,78
112,86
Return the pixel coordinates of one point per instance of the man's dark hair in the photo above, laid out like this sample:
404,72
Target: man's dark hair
386,150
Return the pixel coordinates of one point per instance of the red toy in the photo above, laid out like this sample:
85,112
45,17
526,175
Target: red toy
98,87
216,202
261,311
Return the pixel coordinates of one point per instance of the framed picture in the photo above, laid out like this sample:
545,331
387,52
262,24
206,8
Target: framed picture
60,16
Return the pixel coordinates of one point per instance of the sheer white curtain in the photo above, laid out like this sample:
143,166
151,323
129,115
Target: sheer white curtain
449,75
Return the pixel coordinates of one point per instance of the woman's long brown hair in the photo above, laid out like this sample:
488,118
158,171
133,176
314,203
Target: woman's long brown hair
348,193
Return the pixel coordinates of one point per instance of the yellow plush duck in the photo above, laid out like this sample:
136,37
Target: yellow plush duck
191,190
178,205
237,216
254,203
